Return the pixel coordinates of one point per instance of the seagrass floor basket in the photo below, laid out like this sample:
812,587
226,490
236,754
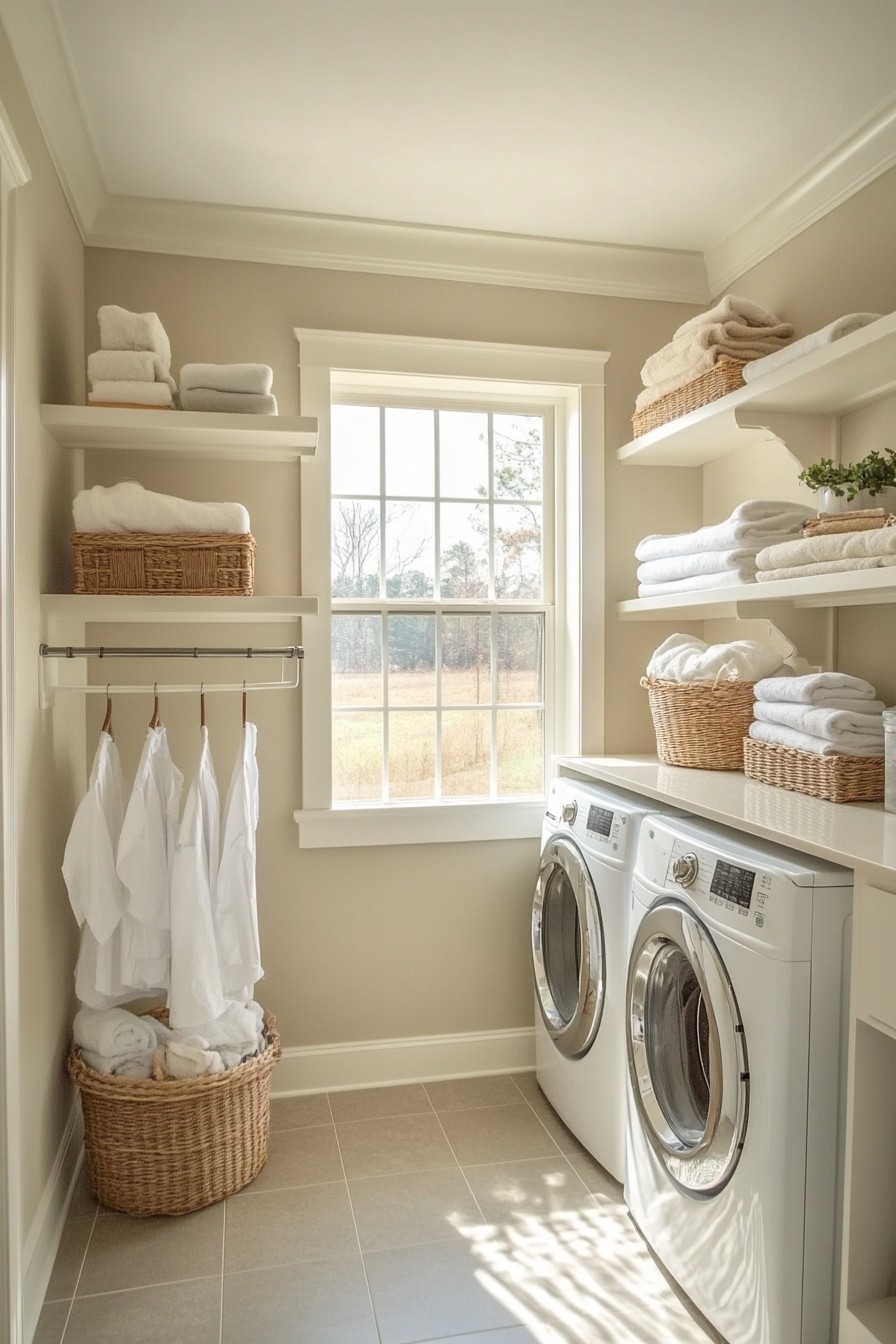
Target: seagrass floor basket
836,778
699,724
717,382
196,564
175,1145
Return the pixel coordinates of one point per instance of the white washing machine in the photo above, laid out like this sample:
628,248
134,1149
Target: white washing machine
736,1035
580,917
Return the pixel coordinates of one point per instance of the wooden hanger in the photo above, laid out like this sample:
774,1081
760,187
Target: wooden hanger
245,700
107,721
155,721
202,704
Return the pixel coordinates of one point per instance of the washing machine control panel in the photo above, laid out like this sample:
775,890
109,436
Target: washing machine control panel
599,827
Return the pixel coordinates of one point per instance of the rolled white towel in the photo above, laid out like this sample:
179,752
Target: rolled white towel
673,567
698,582
232,403
131,393
780,736
755,523
835,724
111,1032
123,330
685,658
257,378
131,366
160,1030
827,690
190,1057
137,1065
834,331
127,507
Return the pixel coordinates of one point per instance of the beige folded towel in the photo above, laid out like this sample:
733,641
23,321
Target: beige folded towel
824,549
820,568
131,393
133,366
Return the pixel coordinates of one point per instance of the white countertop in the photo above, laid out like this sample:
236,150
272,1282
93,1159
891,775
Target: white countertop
861,836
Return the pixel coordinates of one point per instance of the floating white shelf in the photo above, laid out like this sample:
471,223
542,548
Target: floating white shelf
870,1322
829,382
864,587
257,438
82,608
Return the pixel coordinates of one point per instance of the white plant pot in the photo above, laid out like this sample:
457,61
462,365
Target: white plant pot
827,502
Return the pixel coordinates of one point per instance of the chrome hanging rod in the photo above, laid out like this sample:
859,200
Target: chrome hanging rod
112,651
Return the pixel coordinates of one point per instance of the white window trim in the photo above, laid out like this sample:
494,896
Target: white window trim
572,382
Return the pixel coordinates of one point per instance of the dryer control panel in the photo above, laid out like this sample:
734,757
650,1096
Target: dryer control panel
591,818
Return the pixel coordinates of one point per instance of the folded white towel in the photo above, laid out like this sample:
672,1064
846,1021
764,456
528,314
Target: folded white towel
127,507
837,725
137,1065
122,330
829,690
131,366
756,522
257,378
827,546
724,579
111,1031
190,1057
731,308
779,736
834,331
742,562
234,403
824,567
685,658
131,393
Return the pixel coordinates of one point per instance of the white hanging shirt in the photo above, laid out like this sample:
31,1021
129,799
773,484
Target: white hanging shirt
235,913
145,857
94,889
195,995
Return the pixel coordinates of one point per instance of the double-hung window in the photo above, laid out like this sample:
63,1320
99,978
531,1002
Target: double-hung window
441,531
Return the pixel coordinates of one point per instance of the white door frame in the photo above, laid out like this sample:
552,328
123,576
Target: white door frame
14,173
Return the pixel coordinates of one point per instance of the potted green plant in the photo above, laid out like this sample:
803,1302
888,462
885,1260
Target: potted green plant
875,477
834,485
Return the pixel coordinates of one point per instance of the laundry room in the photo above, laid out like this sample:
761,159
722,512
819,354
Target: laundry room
547,905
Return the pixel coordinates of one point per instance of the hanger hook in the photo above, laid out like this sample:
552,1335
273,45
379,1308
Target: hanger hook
107,721
245,698
202,704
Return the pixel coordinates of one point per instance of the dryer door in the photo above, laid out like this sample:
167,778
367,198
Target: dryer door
686,1050
568,948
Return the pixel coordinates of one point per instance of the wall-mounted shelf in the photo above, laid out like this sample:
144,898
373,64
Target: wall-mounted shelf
816,389
80,608
257,438
863,587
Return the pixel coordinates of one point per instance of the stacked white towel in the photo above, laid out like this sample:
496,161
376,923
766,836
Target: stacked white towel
735,328
719,554
241,388
127,507
827,553
116,1041
133,365
684,658
828,713
834,331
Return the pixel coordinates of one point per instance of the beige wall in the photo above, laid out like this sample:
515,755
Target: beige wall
49,354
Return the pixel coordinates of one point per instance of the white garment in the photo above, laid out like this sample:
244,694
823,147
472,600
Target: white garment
127,507
257,378
194,994
122,330
673,567
837,725
834,331
685,658
235,912
831,690
756,522
94,889
780,736
145,857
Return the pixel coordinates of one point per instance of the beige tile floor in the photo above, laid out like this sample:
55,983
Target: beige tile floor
461,1211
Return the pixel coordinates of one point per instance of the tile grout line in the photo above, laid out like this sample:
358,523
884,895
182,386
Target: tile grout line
459,1166
223,1255
80,1272
351,1206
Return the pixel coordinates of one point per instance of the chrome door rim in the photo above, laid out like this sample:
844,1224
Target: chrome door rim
702,1167
573,1038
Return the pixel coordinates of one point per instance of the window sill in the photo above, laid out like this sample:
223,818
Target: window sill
419,823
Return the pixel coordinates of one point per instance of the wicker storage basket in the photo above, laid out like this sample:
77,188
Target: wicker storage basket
698,724
198,564
839,779
716,382
174,1146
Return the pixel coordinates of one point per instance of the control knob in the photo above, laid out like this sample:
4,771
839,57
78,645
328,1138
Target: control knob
568,811
684,869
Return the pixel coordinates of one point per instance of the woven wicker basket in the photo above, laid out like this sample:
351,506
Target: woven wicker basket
839,779
698,724
174,1146
722,378
198,564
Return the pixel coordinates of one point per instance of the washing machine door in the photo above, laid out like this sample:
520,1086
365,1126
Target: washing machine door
568,948
687,1054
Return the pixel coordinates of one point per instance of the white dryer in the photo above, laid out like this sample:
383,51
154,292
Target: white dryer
735,1027
580,916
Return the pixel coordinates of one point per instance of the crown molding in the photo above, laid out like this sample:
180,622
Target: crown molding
852,165
340,243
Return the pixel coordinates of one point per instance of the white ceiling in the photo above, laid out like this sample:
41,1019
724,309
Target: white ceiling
628,123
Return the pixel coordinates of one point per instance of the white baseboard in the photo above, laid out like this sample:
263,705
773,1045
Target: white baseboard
45,1233
415,1059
